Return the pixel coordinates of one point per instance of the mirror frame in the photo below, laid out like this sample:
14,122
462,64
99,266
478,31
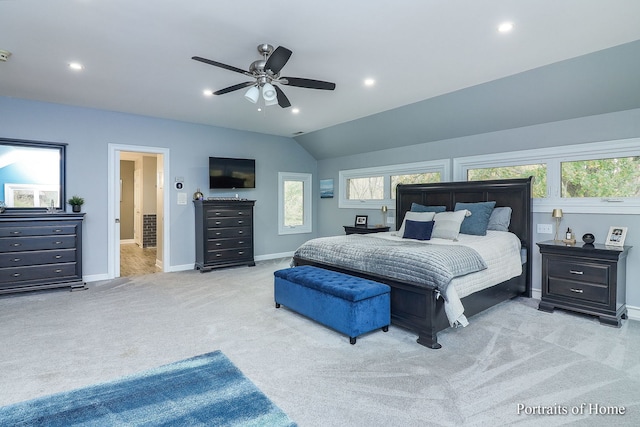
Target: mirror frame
62,148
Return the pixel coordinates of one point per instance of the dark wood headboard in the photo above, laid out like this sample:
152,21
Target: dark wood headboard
515,193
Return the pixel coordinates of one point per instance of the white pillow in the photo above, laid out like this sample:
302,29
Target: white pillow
447,224
415,216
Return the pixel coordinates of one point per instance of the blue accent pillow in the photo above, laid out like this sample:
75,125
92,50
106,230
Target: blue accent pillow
422,208
476,224
419,230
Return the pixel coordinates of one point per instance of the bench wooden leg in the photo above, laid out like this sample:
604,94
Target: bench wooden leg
277,305
385,328
352,340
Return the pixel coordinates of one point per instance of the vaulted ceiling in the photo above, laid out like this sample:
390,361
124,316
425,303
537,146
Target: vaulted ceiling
441,68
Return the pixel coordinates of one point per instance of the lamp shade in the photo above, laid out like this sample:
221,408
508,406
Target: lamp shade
269,93
252,94
557,213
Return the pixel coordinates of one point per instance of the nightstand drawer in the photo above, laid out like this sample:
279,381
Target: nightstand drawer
583,272
579,290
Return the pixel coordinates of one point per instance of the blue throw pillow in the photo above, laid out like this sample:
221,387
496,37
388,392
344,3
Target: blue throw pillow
422,208
476,224
419,230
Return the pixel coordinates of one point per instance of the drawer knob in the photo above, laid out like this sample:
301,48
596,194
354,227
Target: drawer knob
217,222
16,232
218,213
57,230
218,244
240,221
15,244
58,270
16,259
240,252
240,213
57,243
16,274
241,242
577,291
58,256
576,272
218,255
240,232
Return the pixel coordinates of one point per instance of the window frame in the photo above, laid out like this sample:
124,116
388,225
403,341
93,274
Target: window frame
307,189
553,157
442,166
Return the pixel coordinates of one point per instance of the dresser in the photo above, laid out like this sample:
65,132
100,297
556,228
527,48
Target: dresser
224,233
585,278
40,251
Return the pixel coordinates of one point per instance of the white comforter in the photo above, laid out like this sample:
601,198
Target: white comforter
500,251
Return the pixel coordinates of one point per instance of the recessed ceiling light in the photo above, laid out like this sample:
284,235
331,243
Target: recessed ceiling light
369,82
76,66
207,92
505,27
295,110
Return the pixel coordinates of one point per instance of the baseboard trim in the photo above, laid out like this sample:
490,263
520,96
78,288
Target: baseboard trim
633,313
274,256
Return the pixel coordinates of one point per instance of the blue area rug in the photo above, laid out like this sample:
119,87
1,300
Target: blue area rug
206,390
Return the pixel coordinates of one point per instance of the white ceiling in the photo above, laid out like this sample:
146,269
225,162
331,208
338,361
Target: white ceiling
137,53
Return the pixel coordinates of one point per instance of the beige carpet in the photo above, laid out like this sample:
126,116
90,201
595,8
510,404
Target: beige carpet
508,356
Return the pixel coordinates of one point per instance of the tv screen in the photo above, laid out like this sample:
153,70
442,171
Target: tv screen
230,173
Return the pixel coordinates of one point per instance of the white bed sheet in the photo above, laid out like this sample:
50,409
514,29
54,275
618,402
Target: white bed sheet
500,251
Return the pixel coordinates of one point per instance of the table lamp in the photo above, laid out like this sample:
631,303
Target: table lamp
557,214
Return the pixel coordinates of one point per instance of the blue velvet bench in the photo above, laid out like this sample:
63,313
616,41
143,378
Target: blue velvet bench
347,304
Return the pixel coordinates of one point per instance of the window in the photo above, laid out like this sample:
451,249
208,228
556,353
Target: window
601,177
538,171
371,188
294,202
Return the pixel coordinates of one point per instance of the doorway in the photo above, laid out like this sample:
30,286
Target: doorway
138,210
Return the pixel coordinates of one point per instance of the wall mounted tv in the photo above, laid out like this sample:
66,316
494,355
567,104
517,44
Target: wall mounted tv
230,173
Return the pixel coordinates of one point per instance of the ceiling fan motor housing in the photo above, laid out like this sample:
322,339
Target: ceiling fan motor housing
4,55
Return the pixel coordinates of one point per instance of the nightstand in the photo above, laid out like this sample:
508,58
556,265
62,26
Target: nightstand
584,278
350,229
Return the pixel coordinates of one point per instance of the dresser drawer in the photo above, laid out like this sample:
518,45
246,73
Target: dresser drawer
47,230
579,290
17,259
565,268
220,213
217,244
50,272
228,222
228,254
218,233
18,244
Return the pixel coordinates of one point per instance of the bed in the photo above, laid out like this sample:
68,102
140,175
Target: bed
418,305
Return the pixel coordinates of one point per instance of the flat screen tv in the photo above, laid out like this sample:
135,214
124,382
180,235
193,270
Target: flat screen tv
231,173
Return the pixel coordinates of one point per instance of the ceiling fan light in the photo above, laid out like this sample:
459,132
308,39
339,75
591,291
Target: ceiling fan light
273,101
269,93
252,94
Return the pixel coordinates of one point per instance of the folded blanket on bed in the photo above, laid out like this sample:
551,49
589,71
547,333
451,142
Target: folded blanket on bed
425,265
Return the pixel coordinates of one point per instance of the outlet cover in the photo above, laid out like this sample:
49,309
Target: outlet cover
545,228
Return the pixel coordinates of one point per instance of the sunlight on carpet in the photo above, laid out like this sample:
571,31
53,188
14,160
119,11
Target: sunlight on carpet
204,390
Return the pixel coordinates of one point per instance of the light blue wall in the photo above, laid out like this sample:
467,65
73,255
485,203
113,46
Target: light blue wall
605,127
88,133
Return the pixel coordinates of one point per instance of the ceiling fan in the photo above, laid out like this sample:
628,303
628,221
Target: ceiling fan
266,72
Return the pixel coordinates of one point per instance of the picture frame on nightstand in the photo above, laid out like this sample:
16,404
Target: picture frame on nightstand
616,236
361,220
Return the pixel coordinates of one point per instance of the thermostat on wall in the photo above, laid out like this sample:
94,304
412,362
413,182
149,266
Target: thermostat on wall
179,184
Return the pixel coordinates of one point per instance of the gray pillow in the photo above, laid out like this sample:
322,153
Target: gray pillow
415,207
500,219
447,224
476,224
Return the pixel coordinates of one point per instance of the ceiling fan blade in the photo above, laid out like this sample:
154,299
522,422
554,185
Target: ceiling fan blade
308,83
277,59
283,101
233,88
221,65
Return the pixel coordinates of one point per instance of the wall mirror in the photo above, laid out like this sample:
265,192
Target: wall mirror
32,175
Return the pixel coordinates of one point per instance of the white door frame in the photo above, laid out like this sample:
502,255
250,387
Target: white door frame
113,195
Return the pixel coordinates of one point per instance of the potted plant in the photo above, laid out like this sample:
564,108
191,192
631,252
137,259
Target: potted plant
76,202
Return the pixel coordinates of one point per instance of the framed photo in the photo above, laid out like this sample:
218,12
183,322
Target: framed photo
326,188
616,236
361,220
